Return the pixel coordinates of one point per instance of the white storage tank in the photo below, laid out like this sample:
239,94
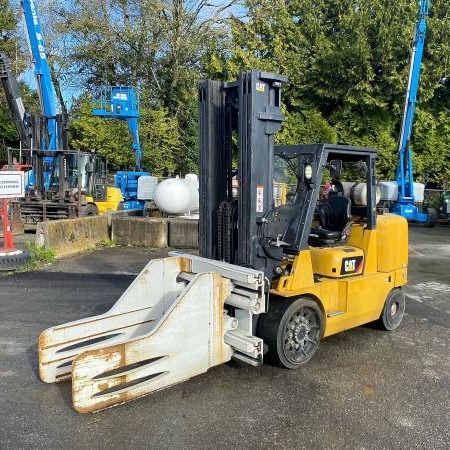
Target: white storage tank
389,191
419,192
146,187
178,195
358,192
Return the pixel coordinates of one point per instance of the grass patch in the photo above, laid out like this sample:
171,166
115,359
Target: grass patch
40,257
107,243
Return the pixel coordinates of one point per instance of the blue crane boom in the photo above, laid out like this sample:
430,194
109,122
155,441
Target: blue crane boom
405,205
42,72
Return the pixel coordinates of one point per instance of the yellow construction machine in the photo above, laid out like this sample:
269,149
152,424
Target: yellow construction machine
272,280
73,184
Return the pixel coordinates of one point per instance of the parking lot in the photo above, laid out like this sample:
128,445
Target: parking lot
364,389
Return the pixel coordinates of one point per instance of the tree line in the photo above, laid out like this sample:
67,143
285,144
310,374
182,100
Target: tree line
347,63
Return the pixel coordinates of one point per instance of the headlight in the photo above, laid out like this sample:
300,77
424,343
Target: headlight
446,200
308,171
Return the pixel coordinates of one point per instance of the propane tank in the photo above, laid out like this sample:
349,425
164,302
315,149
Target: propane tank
178,195
358,193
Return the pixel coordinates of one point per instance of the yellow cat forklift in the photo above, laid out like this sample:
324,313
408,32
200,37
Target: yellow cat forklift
271,280
63,184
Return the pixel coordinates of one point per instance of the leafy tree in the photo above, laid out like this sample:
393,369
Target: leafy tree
8,39
160,142
9,44
153,45
107,137
8,133
159,138
347,63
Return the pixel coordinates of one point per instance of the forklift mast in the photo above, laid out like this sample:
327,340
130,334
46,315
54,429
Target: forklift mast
231,227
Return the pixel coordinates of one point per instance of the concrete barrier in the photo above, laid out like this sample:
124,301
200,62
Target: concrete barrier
71,236
120,213
183,233
140,232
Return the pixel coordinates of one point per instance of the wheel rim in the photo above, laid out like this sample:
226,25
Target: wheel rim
301,335
394,309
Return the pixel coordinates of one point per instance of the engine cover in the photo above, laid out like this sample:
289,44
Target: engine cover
337,262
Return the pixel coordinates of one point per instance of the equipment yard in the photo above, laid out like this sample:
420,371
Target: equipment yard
364,388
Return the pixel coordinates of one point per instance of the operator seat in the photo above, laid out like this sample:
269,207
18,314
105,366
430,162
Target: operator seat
334,222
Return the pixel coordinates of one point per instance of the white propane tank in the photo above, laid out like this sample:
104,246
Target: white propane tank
389,190
358,192
146,187
178,195
419,192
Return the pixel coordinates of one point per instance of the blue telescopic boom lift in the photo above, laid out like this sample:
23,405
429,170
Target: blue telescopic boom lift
42,72
405,205
122,103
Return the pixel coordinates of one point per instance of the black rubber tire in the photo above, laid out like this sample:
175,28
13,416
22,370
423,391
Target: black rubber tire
274,328
88,210
393,310
432,217
13,262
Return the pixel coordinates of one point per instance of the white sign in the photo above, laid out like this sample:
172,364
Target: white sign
12,184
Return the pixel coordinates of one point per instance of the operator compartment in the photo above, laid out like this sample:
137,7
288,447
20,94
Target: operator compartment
337,262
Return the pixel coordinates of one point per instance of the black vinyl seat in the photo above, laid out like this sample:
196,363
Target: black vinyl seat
334,222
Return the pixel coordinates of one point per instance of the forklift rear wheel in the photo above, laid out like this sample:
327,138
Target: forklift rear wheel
88,210
292,330
393,310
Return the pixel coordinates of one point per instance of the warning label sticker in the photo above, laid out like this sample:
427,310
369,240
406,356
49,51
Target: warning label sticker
259,198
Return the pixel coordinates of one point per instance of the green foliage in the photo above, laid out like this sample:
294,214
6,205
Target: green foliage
154,45
347,63
304,127
110,138
160,141
431,147
8,44
107,243
40,257
7,27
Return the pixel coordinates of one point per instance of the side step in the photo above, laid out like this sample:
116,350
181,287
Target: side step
170,325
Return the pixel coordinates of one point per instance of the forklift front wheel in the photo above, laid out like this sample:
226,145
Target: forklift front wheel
393,310
292,330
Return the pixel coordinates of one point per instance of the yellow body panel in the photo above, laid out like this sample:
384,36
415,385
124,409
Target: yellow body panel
113,198
337,262
349,301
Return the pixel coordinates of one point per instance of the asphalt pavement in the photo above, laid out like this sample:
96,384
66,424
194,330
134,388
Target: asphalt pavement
364,389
